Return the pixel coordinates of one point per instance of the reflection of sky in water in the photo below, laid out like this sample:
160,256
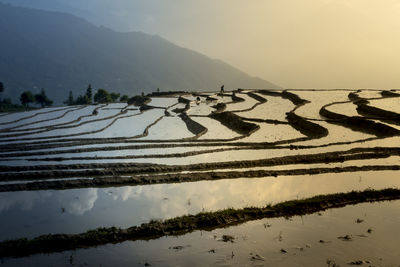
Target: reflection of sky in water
71,211
299,237
274,109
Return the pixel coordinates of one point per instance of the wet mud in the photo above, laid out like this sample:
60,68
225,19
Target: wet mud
235,123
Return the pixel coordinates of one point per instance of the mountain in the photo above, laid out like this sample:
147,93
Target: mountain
61,52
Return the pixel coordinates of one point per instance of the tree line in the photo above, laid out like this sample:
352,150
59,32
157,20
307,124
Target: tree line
101,96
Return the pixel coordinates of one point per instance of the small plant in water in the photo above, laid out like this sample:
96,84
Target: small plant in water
228,238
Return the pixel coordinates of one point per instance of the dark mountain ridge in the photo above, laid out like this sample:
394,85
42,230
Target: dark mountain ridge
61,52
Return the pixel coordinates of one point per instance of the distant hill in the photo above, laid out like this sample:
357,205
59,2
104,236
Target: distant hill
61,52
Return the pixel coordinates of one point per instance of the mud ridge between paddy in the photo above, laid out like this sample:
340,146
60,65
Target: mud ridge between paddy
207,221
260,99
69,127
153,173
378,113
90,132
360,124
117,181
194,127
235,123
12,129
32,116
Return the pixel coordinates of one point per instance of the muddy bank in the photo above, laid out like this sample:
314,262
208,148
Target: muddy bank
359,123
165,94
34,115
354,96
117,181
236,98
326,157
36,122
183,100
257,97
137,144
265,121
298,101
295,99
260,100
193,126
389,94
235,123
189,223
306,127
378,112
116,118
131,174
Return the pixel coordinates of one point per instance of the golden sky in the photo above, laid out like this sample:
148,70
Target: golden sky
294,43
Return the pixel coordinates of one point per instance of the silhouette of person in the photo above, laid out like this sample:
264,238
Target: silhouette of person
222,88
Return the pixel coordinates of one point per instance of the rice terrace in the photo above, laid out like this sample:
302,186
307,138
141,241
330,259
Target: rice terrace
245,177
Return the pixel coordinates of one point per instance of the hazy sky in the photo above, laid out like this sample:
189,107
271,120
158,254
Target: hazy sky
293,43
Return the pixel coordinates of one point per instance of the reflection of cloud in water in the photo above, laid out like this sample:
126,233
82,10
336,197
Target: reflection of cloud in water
75,202
24,200
80,202
170,200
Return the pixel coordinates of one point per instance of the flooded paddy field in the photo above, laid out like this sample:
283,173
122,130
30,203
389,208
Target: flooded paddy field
204,179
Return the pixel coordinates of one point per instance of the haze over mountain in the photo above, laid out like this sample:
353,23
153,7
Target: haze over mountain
61,52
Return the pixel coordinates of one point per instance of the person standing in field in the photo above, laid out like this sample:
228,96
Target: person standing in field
222,89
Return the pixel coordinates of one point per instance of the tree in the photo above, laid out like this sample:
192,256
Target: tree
1,88
26,98
42,99
102,96
124,98
89,94
82,100
6,101
114,96
70,101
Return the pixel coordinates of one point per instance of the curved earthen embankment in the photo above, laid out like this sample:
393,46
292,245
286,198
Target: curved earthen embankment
265,121
309,129
183,100
378,113
353,96
211,99
295,99
167,94
12,129
359,123
194,127
389,94
260,100
306,127
185,224
117,181
235,123
15,173
257,97
69,135
32,116
236,98
143,108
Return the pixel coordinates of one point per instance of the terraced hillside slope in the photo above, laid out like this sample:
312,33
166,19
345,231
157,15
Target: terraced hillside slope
185,163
